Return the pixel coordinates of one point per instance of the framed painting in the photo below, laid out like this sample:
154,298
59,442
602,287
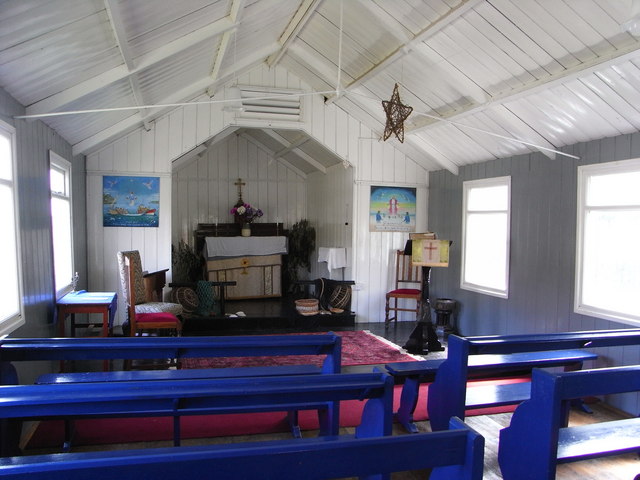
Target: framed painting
392,209
130,201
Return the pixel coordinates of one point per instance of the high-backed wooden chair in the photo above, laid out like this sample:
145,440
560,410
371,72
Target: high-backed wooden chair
408,286
150,321
147,286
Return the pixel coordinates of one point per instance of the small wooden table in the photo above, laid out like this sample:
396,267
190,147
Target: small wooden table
87,302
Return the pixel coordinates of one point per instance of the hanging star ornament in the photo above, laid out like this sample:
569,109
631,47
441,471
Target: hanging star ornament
396,113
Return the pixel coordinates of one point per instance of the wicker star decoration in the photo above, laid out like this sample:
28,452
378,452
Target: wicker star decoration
396,113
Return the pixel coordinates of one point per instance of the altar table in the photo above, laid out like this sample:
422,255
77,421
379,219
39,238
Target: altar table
254,263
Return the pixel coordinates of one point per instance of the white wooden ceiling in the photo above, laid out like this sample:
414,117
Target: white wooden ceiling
548,72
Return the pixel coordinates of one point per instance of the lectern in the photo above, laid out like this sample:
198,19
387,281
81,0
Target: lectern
426,252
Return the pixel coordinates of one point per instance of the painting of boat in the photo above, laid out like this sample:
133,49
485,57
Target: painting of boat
131,201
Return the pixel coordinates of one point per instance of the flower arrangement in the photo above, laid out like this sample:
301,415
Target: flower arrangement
245,213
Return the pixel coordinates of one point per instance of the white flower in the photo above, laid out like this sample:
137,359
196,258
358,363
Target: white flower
241,210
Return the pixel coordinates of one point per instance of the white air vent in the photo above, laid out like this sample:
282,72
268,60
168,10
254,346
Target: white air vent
270,103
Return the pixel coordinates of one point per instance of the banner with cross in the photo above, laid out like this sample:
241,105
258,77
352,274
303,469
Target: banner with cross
430,253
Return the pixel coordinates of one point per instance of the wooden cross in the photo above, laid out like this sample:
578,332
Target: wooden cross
239,184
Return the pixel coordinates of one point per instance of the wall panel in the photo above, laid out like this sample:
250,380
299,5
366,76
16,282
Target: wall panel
543,239
208,192
33,141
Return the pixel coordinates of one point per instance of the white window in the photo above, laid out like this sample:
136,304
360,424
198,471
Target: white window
607,253
10,281
486,220
61,222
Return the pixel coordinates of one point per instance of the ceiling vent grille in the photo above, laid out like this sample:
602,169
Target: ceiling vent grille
270,103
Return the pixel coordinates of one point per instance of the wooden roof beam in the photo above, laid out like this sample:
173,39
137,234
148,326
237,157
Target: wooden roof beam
406,47
261,145
298,21
237,8
615,57
69,95
120,34
285,143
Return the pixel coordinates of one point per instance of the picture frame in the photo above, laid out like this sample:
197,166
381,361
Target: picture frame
130,201
392,209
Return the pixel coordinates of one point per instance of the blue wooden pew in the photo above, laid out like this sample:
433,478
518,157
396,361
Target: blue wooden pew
412,374
30,349
131,348
537,439
456,454
176,398
448,393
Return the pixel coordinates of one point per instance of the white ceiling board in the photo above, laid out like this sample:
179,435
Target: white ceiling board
554,72
150,24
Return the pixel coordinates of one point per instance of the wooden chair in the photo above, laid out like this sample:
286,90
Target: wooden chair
406,276
143,322
147,285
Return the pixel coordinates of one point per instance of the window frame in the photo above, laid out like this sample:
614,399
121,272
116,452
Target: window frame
60,163
466,187
11,323
585,172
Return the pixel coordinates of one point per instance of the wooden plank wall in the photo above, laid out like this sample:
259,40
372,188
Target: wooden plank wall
543,244
204,190
171,136
330,211
33,141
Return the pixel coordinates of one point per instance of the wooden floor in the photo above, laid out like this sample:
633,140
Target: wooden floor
624,467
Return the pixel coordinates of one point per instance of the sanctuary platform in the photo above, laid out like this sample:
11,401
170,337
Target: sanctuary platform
265,315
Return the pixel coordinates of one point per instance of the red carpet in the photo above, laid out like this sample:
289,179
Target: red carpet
358,348
127,430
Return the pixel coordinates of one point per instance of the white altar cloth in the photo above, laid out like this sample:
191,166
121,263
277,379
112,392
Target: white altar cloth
218,247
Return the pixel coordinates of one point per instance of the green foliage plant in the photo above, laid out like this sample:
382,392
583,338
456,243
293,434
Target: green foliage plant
302,243
186,264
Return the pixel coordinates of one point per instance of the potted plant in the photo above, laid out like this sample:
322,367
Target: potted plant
186,264
302,243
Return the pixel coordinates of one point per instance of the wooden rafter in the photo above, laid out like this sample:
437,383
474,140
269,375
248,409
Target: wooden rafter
117,24
186,93
295,26
285,143
581,70
270,151
235,13
69,95
405,48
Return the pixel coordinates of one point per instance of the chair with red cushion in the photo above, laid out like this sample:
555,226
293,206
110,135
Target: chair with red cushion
145,322
408,286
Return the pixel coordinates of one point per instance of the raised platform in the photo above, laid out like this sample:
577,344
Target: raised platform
268,315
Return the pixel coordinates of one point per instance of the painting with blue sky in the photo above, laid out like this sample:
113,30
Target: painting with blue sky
130,201
392,209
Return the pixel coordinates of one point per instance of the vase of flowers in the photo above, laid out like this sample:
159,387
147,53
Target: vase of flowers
245,214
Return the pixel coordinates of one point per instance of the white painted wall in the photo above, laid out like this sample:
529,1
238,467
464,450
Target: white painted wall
151,153
204,190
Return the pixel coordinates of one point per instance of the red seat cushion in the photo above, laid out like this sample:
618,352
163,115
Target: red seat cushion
405,291
156,317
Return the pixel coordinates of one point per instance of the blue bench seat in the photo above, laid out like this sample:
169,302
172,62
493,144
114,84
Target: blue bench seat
447,394
195,373
481,366
537,439
64,349
456,454
176,398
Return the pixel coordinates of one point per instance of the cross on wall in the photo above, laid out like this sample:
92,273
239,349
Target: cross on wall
239,183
